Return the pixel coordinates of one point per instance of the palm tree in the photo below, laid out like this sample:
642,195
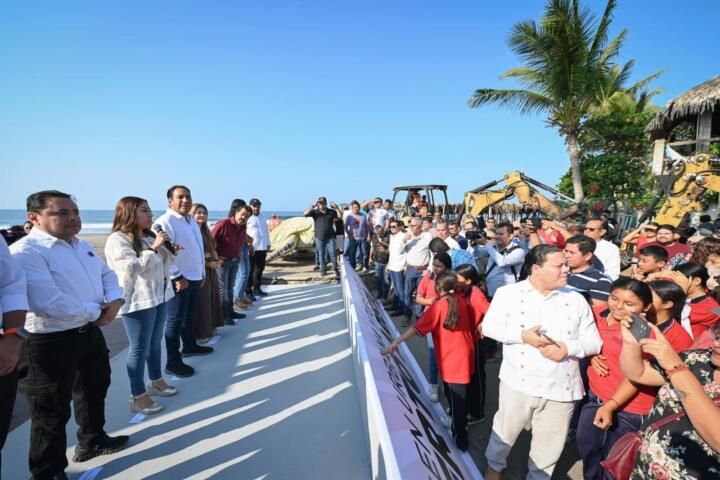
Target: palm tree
568,71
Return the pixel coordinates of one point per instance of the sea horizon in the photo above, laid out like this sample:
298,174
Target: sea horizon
100,221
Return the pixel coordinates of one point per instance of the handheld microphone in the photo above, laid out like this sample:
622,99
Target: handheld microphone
167,243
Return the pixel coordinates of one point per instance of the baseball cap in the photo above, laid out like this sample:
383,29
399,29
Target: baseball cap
255,201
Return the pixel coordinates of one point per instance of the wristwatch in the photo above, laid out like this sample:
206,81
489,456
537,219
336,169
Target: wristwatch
15,331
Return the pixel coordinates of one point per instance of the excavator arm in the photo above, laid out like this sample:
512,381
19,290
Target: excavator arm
691,178
479,200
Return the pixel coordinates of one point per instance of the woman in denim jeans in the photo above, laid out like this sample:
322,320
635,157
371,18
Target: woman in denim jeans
379,255
142,264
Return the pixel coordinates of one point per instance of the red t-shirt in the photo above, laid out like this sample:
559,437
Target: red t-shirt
478,305
604,387
454,349
552,238
641,243
701,317
426,287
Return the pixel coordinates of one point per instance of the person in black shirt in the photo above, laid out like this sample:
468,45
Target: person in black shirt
324,219
380,255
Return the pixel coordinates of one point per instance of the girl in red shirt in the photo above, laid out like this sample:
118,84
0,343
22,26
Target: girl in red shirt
616,406
472,287
424,297
449,322
700,301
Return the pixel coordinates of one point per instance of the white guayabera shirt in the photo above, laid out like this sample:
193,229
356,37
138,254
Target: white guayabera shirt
566,317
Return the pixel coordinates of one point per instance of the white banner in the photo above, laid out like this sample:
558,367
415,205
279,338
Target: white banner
406,438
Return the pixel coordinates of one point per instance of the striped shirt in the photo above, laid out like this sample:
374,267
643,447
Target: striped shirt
591,284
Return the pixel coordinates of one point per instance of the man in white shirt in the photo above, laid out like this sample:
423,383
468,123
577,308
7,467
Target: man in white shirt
186,275
257,229
13,307
545,328
396,266
442,231
70,292
608,253
416,245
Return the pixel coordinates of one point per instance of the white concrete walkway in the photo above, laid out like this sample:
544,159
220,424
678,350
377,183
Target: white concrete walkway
275,401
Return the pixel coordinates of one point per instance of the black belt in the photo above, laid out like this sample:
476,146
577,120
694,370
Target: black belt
73,331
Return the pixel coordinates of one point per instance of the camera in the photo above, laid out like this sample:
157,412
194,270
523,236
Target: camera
536,222
474,235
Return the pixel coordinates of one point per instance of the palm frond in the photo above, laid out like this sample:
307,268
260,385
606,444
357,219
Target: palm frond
643,83
603,26
524,100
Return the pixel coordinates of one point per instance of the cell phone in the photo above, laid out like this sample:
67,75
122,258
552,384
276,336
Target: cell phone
639,327
543,333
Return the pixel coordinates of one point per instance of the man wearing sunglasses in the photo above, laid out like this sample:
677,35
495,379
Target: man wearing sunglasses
641,236
608,253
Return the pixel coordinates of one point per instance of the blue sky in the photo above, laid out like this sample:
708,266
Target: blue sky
288,100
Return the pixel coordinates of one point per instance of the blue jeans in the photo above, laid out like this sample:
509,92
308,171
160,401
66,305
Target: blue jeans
594,444
145,331
228,275
412,280
398,282
432,361
181,321
242,274
380,285
323,250
351,251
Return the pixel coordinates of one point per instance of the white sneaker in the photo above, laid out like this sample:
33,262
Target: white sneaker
434,393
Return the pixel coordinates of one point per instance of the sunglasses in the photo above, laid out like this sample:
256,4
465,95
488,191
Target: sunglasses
591,229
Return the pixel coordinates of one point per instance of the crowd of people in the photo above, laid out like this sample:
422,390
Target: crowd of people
172,277
591,350
590,353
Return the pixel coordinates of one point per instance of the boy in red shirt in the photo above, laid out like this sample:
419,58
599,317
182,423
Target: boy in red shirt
702,305
449,322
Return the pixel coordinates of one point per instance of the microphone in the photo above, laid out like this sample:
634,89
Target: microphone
167,243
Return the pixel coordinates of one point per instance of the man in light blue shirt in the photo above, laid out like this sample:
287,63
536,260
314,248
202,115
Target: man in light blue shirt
504,259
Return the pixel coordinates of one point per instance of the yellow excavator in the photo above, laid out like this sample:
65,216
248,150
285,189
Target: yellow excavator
524,188
683,180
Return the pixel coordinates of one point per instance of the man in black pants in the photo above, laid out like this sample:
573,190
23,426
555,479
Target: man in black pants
257,229
13,306
71,293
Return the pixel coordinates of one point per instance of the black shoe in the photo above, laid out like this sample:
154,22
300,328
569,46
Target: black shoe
238,316
180,370
261,293
316,267
57,476
106,446
462,444
323,273
196,350
230,323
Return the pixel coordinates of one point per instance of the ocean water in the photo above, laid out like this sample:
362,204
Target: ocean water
100,221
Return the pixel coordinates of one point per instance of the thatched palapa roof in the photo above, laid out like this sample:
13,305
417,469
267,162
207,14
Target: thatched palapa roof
695,101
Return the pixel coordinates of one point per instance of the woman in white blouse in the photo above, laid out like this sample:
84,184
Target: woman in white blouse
142,264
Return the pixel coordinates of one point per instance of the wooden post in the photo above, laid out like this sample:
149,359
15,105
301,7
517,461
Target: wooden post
704,127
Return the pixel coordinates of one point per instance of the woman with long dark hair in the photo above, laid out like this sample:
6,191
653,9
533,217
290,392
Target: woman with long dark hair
448,320
142,265
209,312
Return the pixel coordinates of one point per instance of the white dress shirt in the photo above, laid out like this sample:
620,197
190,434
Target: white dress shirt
257,228
184,231
145,279
417,249
566,317
609,254
452,243
501,273
396,263
13,290
66,282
